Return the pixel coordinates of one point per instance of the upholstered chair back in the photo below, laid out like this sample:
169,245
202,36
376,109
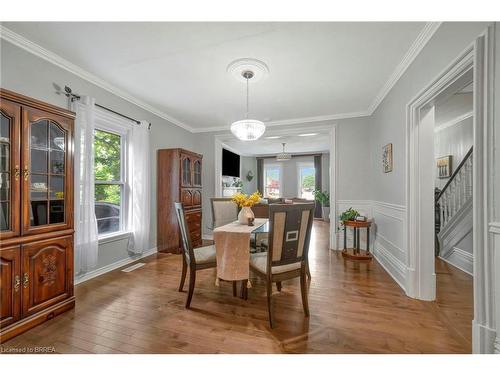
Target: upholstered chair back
185,237
290,232
224,211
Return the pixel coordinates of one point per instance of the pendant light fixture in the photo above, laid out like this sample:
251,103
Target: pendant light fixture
248,129
283,156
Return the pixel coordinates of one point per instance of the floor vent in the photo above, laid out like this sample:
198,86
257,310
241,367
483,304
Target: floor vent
134,267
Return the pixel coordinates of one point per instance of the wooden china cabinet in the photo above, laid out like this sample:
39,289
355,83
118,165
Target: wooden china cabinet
36,212
179,180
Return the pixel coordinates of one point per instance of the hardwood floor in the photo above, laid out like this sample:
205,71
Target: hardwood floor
354,309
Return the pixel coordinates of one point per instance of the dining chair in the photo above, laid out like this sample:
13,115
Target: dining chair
224,211
289,236
195,258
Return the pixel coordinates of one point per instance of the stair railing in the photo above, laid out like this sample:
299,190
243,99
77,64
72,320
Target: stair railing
457,191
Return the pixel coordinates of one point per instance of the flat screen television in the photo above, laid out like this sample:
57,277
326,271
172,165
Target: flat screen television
230,163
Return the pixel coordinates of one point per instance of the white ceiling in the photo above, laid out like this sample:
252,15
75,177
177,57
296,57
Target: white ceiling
295,144
316,69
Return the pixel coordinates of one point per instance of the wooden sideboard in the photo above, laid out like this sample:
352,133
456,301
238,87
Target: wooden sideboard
36,212
178,180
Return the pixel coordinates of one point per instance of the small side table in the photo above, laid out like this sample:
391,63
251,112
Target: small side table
355,253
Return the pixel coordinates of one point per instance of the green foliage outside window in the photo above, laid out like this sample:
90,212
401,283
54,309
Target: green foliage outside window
308,182
107,162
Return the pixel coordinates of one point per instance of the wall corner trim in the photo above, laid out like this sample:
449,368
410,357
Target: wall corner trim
18,40
418,45
53,58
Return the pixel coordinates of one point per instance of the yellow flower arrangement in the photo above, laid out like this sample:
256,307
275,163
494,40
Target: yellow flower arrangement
243,200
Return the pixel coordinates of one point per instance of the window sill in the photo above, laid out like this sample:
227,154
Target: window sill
112,237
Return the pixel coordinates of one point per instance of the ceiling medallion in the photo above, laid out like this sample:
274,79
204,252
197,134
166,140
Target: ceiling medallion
283,156
258,68
246,70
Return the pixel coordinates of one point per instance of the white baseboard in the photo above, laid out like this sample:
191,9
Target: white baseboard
460,259
113,266
483,339
393,266
208,237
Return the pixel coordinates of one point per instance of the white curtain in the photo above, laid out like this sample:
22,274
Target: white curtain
139,187
86,242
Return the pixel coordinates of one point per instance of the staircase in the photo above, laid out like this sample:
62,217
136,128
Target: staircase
454,217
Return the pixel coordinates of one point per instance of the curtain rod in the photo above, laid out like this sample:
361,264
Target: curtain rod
73,97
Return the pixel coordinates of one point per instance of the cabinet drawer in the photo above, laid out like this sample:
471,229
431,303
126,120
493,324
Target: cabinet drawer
194,226
193,217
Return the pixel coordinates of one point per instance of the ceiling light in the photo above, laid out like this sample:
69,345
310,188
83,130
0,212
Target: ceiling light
283,156
307,134
273,137
248,129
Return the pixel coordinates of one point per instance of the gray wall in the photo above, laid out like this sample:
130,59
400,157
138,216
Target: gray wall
388,123
354,159
29,75
325,171
248,163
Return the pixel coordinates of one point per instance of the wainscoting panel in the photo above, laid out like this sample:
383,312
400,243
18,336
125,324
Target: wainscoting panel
387,235
389,222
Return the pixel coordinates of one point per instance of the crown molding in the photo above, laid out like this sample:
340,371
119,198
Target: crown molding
293,121
418,45
423,38
455,121
53,58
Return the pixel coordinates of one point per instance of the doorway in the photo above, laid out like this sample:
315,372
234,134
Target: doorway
421,276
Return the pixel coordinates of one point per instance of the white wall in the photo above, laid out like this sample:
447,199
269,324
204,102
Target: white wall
32,76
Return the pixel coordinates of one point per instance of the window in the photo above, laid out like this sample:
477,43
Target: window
109,181
307,180
272,181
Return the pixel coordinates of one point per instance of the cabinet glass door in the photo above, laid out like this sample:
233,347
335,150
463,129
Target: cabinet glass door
197,173
186,171
9,169
46,143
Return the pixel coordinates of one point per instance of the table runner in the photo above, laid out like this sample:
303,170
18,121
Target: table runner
232,245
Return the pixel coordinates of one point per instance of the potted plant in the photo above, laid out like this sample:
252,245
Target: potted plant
246,202
348,215
323,198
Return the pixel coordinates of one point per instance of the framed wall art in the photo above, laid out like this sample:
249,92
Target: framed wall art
387,158
443,165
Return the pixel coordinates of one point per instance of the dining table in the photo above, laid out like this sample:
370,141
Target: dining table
232,246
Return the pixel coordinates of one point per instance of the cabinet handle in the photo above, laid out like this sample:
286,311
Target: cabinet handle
26,280
26,173
17,283
17,172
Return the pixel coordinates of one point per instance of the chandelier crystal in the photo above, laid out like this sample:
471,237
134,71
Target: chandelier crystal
283,156
248,129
